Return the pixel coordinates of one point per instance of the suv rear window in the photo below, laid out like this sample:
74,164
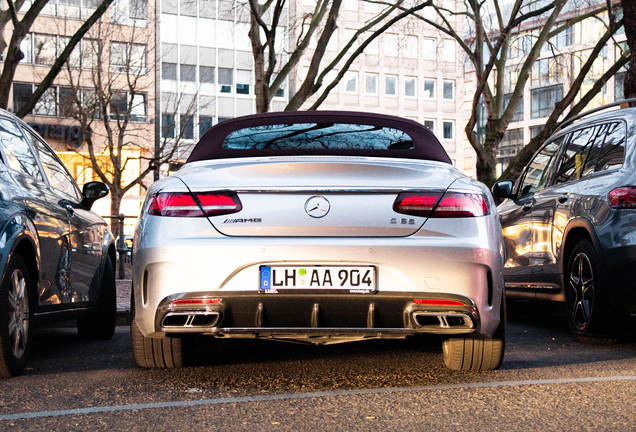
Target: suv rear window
336,136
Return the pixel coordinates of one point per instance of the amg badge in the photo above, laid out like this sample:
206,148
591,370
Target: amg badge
250,220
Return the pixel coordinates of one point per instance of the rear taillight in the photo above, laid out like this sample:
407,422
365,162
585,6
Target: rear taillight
451,204
200,204
456,204
623,198
416,204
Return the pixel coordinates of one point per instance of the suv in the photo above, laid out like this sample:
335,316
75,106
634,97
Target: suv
569,223
56,255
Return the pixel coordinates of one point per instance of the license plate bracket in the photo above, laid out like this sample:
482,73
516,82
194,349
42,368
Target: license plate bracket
307,279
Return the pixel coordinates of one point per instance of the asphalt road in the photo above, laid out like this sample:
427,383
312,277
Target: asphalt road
548,382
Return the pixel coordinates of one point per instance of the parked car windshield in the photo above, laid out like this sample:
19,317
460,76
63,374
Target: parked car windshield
318,136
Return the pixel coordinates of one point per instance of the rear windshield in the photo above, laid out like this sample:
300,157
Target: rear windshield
335,136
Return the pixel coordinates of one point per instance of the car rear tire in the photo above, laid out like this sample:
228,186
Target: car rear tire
166,352
15,318
477,355
590,314
100,324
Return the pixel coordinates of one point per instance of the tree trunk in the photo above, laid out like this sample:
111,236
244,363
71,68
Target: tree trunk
115,204
629,16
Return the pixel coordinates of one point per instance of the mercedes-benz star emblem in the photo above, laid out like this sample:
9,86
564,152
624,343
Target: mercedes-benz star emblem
317,206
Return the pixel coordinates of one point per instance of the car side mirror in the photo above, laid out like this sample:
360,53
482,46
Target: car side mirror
503,189
93,191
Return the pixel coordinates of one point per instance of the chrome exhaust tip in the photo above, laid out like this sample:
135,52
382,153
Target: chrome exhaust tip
443,321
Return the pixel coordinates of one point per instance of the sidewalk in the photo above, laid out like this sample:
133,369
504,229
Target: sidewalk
123,301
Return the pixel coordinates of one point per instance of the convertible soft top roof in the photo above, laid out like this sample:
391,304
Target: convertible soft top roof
427,146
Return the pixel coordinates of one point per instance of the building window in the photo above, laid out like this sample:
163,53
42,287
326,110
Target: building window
205,123
430,124
391,44
206,75
518,115
187,126
226,80
390,85
449,90
428,49
511,143
44,49
128,58
169,71
449,127
448,50
429,89
546,72
67,102
280,93
188,73
243,79
167,125
21,95
351,82
543,100
371,84
47,104
122,101
243,89
619,85
410,86
410,47
535,130
468,164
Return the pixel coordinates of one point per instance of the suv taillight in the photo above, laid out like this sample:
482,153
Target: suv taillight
200,204
438,205
623,198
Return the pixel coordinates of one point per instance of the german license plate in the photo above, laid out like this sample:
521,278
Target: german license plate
352,279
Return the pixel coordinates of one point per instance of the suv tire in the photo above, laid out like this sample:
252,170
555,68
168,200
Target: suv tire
589,312
15,318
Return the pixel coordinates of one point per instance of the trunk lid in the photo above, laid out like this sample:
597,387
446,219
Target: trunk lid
317,196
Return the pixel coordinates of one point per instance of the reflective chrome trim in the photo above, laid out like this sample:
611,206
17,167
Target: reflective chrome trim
444,322
301,332
190,321
313,191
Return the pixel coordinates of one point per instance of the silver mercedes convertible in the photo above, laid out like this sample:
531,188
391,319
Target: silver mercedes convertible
320,228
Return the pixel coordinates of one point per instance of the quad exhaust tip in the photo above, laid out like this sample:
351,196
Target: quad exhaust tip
443,320
191,319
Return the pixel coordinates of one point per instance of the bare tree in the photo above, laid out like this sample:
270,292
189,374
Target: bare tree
495,30
629,13
107,93
273,67
14,53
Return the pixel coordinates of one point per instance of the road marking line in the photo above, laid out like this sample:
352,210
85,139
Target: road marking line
95,410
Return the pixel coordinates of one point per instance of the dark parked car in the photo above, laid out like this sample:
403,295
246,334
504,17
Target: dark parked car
56,255
569,223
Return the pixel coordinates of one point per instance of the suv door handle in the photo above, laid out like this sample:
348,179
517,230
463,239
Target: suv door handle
527,206
563,198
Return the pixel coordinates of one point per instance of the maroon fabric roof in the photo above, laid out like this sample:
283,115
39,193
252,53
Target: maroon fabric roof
427,146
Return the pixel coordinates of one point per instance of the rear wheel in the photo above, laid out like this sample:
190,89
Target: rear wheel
166,352
477,354
15,318
100,325
590,314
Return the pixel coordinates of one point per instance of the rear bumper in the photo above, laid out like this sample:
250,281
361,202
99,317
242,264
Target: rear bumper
302,316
